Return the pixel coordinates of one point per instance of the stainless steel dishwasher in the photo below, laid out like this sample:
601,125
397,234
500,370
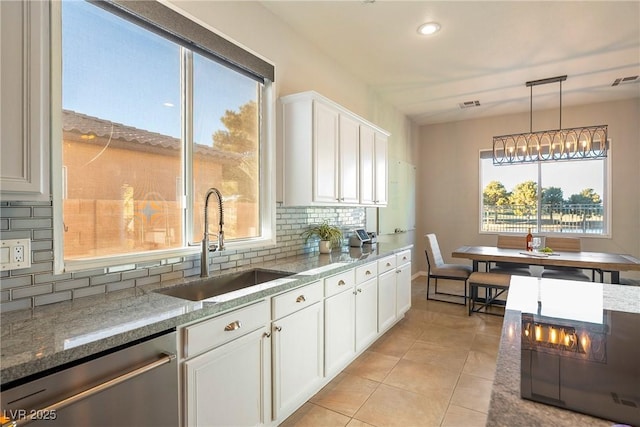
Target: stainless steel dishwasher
136,385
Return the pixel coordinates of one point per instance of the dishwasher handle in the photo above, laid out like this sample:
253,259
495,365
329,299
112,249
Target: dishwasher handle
166,358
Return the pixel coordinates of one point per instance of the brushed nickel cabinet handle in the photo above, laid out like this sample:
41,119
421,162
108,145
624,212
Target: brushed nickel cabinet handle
301,298
359,290
266,335
367,273
233,326
388,264
278,328
341,283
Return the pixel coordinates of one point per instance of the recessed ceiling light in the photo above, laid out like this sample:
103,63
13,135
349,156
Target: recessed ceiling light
428,28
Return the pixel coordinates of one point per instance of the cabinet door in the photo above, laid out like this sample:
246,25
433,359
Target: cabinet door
24,100
386,300
348,155
381,169
403,288
230,385
339,331
367,165
297,359
325,152
366,313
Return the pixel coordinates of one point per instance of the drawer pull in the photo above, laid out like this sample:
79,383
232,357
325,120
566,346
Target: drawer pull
278,328
388,264
367,273
301,298
266,335
404,258
359,290
341,283
233,326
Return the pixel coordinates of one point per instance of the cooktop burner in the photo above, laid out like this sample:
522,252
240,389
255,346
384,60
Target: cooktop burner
586,366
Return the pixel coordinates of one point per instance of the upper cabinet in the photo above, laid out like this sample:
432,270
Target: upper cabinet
329,155
24,100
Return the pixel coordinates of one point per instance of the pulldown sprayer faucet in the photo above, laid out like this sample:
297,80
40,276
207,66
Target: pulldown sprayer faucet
204,258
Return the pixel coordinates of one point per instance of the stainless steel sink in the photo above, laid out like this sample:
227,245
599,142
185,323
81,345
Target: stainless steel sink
199,290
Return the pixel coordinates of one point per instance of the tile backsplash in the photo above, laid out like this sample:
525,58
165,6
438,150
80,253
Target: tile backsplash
38,285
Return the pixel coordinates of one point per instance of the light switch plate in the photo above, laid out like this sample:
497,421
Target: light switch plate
15,254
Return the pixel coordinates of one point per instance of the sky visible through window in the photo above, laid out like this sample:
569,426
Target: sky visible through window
105,56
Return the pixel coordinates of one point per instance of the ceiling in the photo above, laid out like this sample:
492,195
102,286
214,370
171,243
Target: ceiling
485,51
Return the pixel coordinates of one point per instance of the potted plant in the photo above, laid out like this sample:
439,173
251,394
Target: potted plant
330,236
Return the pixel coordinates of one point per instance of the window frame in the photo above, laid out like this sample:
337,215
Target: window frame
606,199
267,153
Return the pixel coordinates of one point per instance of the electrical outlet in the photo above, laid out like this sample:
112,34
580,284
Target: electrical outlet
15,254
18,254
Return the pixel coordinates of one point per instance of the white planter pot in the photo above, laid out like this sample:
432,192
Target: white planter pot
324,246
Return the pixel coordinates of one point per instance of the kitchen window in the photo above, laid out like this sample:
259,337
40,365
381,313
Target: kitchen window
563,197
155,110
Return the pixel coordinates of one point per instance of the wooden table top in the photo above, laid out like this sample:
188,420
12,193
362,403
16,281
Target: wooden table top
588,260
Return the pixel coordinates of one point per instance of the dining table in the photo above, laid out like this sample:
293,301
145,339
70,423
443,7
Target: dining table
601,262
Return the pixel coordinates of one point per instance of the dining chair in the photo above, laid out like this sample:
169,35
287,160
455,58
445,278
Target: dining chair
565,244
438,269
508,241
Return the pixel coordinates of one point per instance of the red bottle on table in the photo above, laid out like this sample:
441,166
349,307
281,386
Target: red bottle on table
529,241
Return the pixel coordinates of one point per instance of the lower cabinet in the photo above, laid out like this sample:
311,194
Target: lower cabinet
227,375
403,282
366,313
298,350
230,385
386,293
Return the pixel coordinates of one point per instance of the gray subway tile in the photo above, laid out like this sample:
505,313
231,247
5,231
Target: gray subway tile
21,304
72,284
91,290
30,291
52,298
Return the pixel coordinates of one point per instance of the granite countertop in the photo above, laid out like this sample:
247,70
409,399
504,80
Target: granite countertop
507,408
49,336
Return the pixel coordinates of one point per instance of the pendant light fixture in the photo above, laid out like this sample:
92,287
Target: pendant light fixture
588,142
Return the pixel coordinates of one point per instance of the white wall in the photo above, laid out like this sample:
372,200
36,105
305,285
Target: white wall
448,188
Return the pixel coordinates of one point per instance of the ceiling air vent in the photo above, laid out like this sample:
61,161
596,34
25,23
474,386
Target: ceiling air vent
625,80
469,104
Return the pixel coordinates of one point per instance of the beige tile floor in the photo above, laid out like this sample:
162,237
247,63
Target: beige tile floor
434,368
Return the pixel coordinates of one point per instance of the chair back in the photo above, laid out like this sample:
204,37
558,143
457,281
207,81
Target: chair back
560,244
506,241
434,257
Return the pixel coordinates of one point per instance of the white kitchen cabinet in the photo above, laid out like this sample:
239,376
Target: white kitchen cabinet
320,150
228,381
298,348
403,282
325,153
24,100
373,167
386,300
349,166
366,313
381,169
339,321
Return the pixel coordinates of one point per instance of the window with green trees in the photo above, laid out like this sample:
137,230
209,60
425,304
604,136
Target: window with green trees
553,197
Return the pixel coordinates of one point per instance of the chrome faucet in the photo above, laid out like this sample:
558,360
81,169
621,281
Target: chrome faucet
204,257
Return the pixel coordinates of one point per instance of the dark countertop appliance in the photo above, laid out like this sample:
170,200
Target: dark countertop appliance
586,366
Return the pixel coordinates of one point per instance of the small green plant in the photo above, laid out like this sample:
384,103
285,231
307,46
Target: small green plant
324,231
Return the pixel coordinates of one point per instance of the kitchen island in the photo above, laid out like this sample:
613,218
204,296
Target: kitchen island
558,299
47,337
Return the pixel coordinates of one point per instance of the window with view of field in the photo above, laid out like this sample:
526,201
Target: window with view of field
148,127
548,197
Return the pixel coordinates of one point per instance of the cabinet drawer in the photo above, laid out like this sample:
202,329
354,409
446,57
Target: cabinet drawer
366,272
219,330
338,283
296,299
403,257
386,264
